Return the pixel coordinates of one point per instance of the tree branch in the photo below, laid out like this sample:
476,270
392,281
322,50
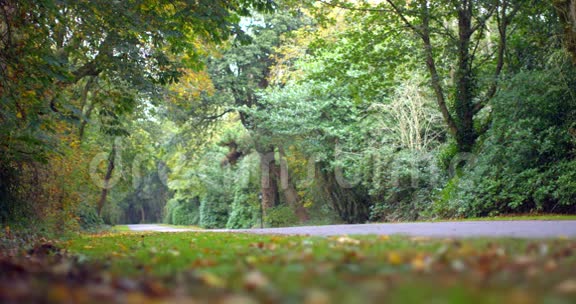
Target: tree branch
503,21
434,77
89,69
398,12
482,21
351,7
214,117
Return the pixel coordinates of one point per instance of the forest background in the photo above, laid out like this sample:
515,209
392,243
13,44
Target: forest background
244,113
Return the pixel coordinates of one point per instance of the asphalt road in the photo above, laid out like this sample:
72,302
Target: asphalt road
516,229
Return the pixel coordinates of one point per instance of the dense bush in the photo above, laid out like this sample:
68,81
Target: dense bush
526,161
182,212
213,212
281,216
88,217
244,210
404,188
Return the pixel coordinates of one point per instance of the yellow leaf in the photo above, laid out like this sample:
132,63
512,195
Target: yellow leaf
420,263
394,258
346,240
213,280
124,248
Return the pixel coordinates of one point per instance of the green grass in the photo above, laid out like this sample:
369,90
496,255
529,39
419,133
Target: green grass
181,226
511,217
293,269
526,217
120,228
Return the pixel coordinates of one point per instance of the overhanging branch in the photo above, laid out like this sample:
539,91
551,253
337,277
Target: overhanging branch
214,117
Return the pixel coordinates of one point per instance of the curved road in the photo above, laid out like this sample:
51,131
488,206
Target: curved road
516,229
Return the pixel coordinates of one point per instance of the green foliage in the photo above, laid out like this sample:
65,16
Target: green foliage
404,188
526,163
76,74
446,154
88,217
245,210
213,212
144,204
182,212
378,115
281,216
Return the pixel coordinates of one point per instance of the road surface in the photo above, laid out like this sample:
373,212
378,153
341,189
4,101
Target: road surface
516,229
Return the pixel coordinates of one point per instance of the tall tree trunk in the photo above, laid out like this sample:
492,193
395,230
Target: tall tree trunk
142,215
85,120
269,179
290,193
86,107
107,177
464,105
424,32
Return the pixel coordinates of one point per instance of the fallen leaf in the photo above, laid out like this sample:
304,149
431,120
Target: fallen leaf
523,260
419,263
394,258
567,287
347,240
212,280
255,280
317,296
237,299
551,265
420,239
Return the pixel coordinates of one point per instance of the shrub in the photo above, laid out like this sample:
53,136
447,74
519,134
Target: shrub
213,212
88,217
281,216
405,187
183,212
244,211
526,162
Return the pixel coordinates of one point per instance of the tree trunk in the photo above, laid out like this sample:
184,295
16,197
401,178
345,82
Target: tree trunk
464,106
269,179
86,107
142,215
567,12
351,204
290,193
85,120
107,177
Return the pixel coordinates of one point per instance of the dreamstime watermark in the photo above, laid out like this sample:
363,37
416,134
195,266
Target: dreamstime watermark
114,168
270,163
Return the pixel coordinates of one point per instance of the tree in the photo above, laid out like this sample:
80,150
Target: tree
238,75
567,12
453,40
62,62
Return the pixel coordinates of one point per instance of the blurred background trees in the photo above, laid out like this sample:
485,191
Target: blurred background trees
229,113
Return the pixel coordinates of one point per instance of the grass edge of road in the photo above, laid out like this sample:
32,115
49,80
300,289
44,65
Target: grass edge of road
298,265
